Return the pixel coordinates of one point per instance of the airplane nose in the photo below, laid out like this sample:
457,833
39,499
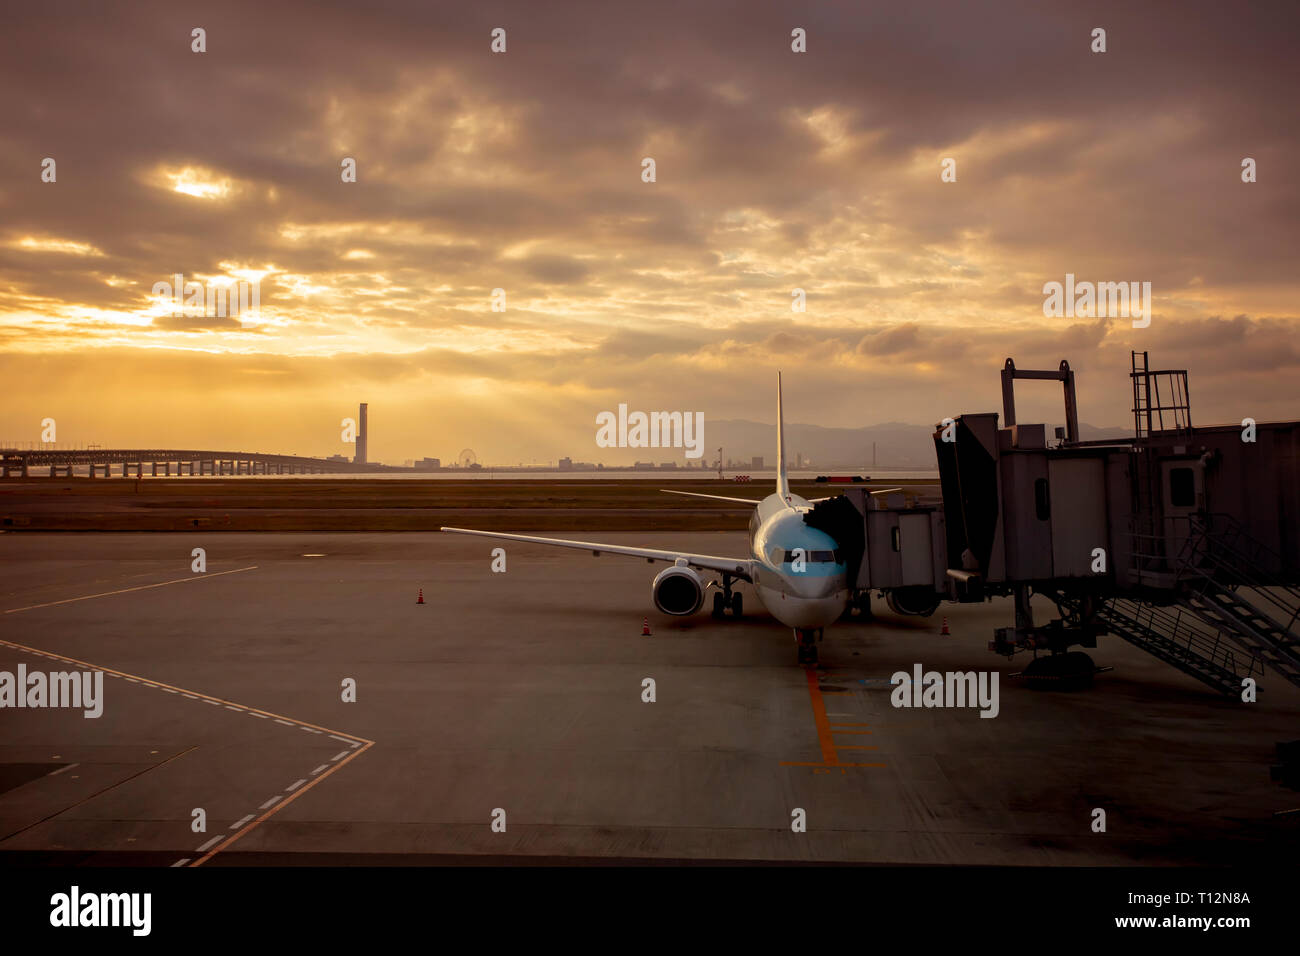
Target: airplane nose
806,586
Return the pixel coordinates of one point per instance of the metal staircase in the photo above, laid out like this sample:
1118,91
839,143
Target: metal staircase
1225,577
1182,640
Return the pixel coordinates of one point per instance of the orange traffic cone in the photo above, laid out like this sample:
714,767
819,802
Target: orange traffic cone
645,627
945,627
420,599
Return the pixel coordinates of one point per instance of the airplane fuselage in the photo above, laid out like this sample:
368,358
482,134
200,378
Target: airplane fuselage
798,573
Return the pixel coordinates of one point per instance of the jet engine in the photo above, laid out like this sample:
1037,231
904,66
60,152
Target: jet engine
919,601
678,590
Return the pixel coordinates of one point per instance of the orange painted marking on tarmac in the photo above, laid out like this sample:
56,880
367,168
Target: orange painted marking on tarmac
825,735
819,718
142,587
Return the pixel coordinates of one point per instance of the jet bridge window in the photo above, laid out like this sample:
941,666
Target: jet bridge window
1042,500
1182,487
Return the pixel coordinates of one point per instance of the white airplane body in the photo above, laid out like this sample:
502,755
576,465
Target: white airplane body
798,572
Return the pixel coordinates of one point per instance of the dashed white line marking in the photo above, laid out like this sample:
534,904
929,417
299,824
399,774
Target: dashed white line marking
55,773
353,743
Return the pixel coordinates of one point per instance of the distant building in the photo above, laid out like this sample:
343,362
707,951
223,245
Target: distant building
363,434
428,464
566,464
756,463
338,458
667,464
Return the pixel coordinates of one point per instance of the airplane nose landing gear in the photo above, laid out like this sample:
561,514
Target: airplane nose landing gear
807,638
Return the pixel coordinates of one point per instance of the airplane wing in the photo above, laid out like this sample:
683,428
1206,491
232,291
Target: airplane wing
696,494
736,567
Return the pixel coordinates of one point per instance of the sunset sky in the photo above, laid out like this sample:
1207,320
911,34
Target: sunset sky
775,170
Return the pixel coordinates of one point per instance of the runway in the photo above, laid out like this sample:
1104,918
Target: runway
522,692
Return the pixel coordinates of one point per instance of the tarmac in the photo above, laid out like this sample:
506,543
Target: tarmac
518,698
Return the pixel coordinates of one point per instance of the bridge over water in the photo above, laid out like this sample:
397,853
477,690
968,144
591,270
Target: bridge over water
133,462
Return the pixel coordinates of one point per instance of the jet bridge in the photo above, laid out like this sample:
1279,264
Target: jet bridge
1184,541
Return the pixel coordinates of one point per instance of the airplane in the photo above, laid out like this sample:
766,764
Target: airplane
798,572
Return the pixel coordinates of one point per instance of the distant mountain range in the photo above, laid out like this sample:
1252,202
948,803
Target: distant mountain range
897,445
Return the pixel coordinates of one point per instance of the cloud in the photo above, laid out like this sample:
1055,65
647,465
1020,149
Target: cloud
775,171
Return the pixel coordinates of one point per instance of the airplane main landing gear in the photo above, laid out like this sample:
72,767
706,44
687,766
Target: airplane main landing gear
807,639
727,598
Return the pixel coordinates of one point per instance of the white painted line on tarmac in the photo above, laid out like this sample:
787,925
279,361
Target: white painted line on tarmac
216,839
287,723
181,862
241,822
269,802
323,766
142,587
295,786
338,756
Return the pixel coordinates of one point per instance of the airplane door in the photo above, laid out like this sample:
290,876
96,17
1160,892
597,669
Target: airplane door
1182,484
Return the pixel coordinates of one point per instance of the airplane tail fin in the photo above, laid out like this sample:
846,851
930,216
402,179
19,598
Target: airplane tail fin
782,480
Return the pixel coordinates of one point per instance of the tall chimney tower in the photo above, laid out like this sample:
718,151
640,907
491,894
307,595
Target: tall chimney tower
360,458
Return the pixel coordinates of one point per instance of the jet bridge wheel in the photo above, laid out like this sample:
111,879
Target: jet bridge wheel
1068,671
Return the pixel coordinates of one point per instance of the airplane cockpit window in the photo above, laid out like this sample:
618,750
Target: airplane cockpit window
815,557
